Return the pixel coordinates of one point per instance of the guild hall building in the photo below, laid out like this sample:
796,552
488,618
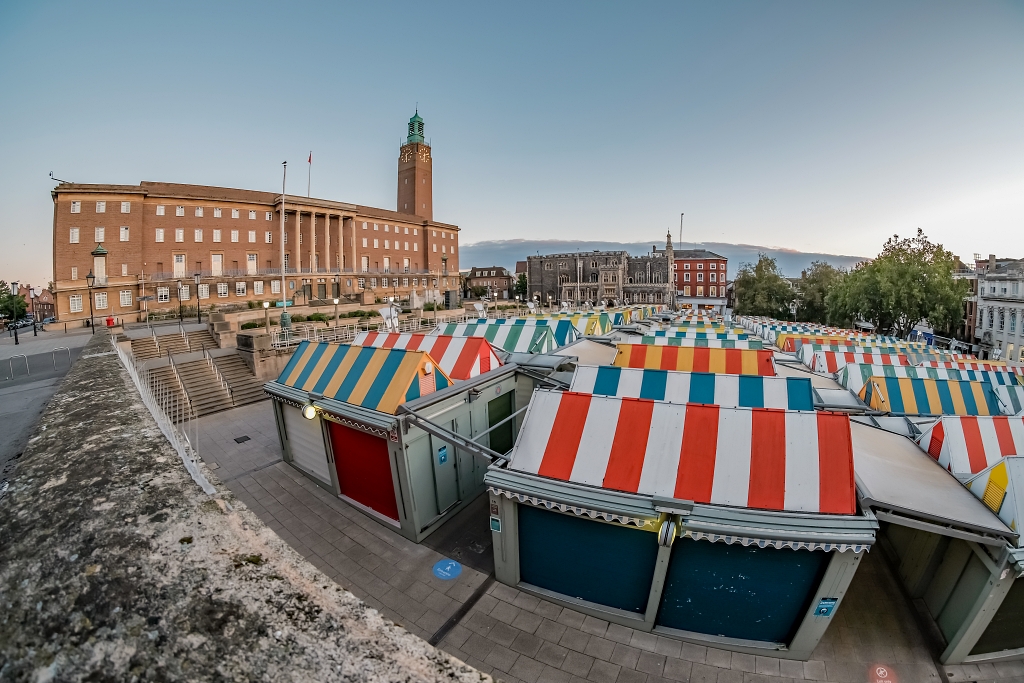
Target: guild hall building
189,244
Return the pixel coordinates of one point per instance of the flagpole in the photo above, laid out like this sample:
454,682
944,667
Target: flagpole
284,300
309,176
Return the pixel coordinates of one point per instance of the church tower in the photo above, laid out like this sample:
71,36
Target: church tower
415,181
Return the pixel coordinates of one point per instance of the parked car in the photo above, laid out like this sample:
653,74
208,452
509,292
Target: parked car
47,321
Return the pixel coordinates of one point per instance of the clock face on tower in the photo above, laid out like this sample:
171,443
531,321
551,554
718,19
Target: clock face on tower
424,154
406,155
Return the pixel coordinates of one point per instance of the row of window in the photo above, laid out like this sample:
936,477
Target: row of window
99,235
997,320
700,266
712,291
161,210
1015,287
712,277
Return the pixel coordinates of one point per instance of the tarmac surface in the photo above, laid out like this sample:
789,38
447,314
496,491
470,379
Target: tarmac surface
517,637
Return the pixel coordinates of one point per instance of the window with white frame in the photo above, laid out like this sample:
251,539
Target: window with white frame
126,207
415,231
275,286
257,287
700,277
686,266
387,228
234,235
216,235
270,215
252,215
700,266
159,235
364,242
179,234
444,248
100,301
433,233
713,290
251,264
76,207
407,246
365,263
222,289
269,237
159,209
101,207
387,244
74,272
75,303
204,291
362,283
376,244
712,266
415,246
163,294
216,212
124,270
415,282
384,282
240,288
124,233
179,211
199,212
184,293
364,225
435,248
74,236
252,237
126,298
98,234
712,276
234,213
376,227
373,283
199,235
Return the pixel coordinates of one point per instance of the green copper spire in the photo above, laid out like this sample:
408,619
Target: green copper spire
415,128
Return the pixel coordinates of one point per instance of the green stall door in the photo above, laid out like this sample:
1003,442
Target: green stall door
601,562
739,592
501,439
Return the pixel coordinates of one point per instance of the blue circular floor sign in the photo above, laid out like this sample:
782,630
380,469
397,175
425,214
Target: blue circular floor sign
447,569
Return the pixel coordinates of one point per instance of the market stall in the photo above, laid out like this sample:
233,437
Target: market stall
511,338
964,446
459,357
915,396
854,375
696,359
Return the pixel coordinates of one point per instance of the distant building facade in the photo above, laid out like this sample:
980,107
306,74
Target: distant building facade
143,240
700,280
602,277
999,326
495,280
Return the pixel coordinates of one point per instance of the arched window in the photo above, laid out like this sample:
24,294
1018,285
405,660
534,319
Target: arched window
1002,320
1013,321
629,280
563,279
639,277
593,264
991,317
593,277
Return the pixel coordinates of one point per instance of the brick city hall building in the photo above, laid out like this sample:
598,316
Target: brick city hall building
189,244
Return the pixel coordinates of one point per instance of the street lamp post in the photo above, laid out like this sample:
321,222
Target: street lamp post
14,311
90,280
336,300
266,312
181,309
199,311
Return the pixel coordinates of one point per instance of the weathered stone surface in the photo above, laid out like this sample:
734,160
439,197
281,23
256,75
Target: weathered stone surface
115,566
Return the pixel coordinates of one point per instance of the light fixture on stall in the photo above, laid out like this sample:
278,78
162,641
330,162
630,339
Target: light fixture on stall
309,410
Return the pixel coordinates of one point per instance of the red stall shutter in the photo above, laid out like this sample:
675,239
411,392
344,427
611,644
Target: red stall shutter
364,468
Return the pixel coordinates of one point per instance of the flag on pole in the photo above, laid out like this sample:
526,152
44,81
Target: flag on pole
311,157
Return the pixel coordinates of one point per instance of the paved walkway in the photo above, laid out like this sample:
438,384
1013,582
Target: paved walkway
517,637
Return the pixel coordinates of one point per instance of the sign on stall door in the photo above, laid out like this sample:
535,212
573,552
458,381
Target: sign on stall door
442,455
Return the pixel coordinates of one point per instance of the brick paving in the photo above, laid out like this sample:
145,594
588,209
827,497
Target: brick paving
517,637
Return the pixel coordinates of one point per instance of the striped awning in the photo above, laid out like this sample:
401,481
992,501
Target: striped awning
965,446
1001,489
918,357
698,335
562,328
706,343
696,359
749,391
377,379
511,338
740,457
459,357
1011,399
807,351
970,365
828,362
910,396
854,375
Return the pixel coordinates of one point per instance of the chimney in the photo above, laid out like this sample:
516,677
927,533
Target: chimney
991,262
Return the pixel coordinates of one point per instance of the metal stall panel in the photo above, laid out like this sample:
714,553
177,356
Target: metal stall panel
501,439
306,444
599,562
1006,630
732,591
364,469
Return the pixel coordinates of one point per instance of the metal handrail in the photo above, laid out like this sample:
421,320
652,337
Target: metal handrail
181,385
216,371
19,355
53,356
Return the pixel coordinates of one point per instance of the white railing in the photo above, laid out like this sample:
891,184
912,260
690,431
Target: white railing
173,416
216,371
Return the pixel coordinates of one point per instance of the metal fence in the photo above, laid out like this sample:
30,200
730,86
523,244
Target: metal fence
172,412
345,334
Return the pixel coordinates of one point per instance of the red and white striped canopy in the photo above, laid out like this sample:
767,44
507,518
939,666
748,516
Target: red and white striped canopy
971,365
966,445
740,457
459,357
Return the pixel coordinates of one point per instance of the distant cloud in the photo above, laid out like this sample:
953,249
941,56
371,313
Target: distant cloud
507,252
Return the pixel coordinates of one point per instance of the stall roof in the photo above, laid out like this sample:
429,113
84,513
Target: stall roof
1001,489
829,362
378,379
512,338
807,351
742,457
750,391
1011,399
589,351
965,446
694,359
914,396
459,357
894,475
854,375
753,343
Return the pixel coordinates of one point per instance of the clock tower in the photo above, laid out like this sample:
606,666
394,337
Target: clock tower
415,182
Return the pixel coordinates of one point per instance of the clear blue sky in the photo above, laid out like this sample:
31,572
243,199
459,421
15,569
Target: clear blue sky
815,126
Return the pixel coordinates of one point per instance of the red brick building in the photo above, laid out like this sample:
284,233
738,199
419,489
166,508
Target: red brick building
497,281
155,239
700,277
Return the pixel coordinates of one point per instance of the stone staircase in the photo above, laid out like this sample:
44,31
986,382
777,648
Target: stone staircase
245,388
201,339
204,388
164,384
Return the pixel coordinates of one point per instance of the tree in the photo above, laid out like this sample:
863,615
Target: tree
521,286
478,290
911,281
761,289
11,304
815,283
